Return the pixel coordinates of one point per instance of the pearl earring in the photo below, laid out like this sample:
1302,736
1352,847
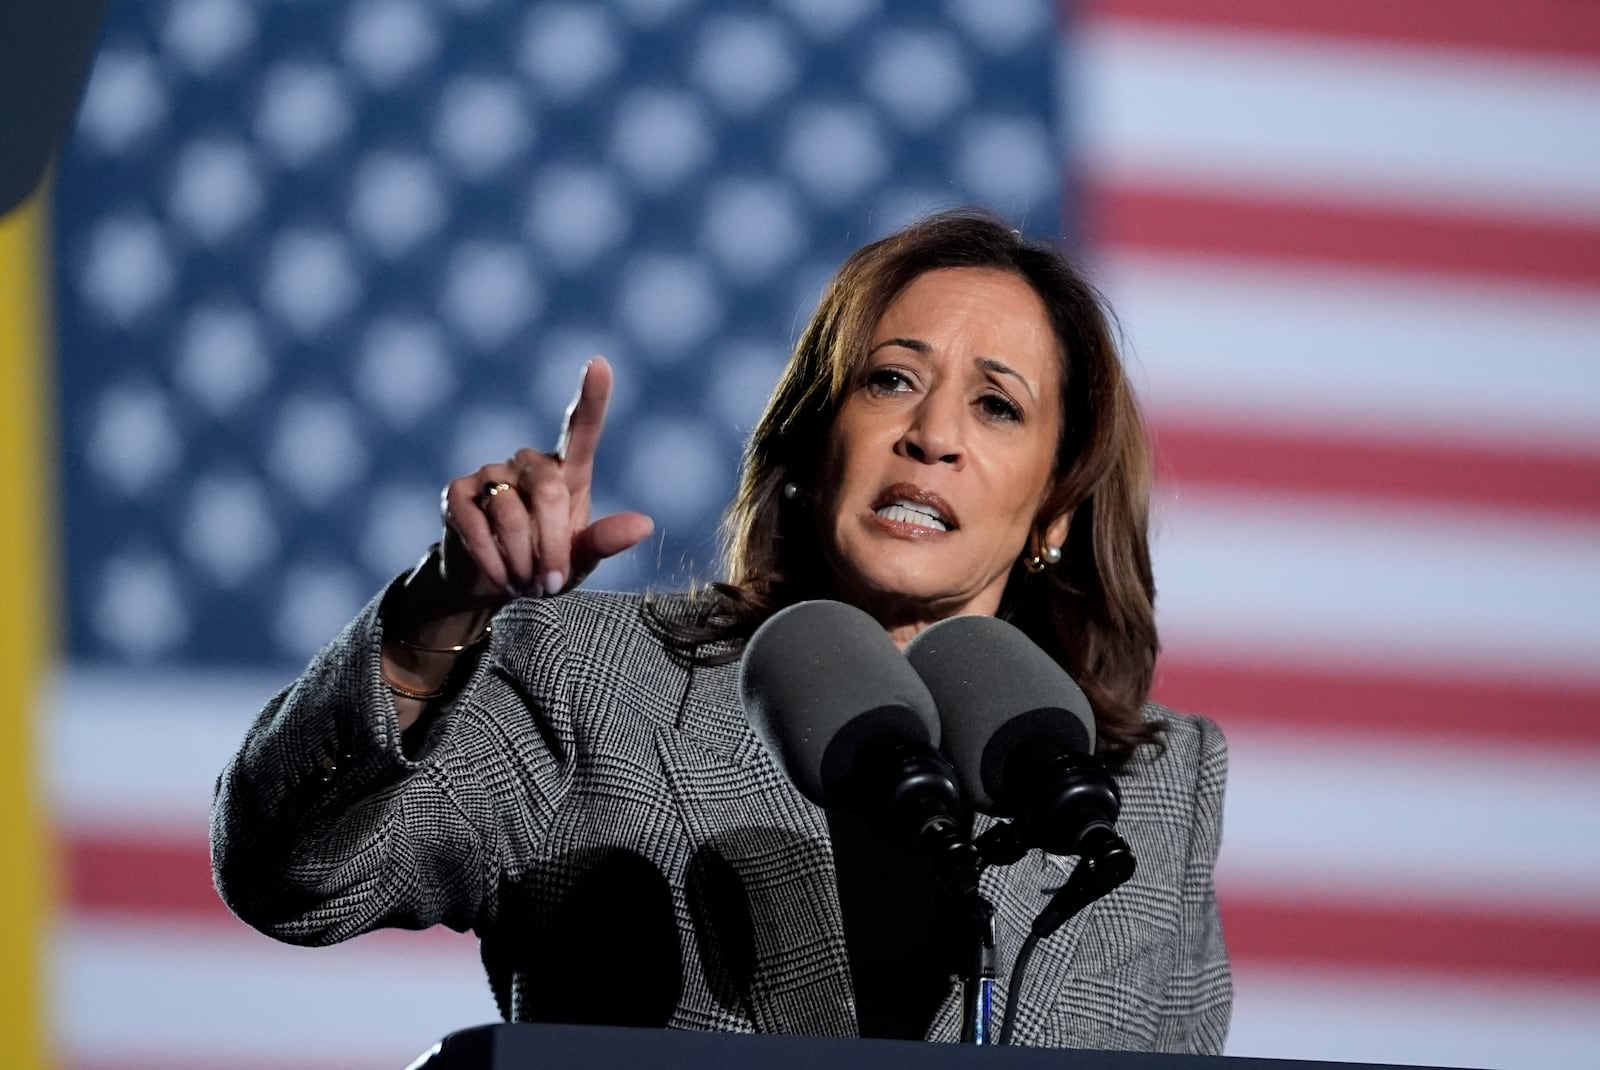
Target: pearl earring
1050,555
791,490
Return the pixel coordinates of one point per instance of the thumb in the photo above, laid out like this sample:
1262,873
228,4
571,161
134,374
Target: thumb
607,537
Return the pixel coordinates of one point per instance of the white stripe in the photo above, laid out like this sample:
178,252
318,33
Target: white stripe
1323,580
1396,1018
1357,121
122,993
1426,825
1358,351
142,749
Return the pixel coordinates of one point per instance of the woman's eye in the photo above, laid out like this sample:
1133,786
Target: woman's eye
887,381
1000,407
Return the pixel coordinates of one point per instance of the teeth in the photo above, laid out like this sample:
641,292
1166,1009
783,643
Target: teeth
906,515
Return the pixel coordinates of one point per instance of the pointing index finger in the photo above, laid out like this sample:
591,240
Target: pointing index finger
586,416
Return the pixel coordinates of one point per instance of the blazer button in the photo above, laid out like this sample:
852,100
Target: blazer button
328,767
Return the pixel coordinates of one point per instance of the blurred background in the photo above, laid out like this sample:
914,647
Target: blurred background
302,263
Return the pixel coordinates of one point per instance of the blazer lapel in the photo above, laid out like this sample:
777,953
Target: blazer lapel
762,891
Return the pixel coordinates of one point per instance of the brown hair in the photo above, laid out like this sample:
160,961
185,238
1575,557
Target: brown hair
1094,611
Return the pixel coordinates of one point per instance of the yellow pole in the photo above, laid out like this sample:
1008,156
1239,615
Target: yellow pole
29,648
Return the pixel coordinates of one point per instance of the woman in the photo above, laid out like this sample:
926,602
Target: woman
576,781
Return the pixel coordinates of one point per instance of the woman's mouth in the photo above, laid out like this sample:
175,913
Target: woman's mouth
907,504
921,516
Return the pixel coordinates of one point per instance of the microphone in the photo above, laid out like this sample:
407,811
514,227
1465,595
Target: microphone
1021,734
855,728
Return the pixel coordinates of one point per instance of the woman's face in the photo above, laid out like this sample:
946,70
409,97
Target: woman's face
943,449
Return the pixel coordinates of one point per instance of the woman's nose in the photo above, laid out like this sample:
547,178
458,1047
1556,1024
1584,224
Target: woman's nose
934,434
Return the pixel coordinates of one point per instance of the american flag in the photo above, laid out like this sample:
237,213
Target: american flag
314,260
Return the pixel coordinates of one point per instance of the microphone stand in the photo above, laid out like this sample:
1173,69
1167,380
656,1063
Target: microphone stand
909,793
978,976
958,863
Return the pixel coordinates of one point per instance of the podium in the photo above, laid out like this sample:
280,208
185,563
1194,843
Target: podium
527,1046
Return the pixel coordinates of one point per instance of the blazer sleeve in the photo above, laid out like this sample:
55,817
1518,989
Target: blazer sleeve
1199,1000
322,826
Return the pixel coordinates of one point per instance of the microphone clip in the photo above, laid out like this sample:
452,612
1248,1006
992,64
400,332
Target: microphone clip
1105,863
1062,796
1071,809
908,793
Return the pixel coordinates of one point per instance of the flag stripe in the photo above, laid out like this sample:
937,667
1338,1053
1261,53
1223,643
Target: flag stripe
1430,938
1398,470
1345,352
157,875
1213,109
1423,589
152,875
1403,1018
128,993
1388,704
1255,224
1315,813
1547,29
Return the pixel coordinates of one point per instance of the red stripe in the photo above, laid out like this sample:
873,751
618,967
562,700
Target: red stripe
1372,703
1419,937
158,876
1454,473
1317,231
162,879
1546,28
151,876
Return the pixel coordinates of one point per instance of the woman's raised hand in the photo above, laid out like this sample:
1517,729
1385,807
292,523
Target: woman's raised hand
522,528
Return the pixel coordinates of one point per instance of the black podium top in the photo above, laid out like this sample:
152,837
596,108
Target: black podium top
526,1046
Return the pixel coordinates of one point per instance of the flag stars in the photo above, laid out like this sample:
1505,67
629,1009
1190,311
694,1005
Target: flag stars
304,112
310,279
128,271
577,214
744,63
125,101
207,34
490,292
483,124
396,229
133,440
397,202
216,189
389,41
569,50
222,359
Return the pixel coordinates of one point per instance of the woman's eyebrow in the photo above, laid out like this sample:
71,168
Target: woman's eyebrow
914,344
992,365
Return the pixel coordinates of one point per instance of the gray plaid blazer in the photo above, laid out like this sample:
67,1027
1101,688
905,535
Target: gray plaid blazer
605,821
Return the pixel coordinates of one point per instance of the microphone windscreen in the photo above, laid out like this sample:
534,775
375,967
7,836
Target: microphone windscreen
821,679
996,691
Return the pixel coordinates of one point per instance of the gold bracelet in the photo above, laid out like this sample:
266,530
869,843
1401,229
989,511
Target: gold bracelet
488,629
406,692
